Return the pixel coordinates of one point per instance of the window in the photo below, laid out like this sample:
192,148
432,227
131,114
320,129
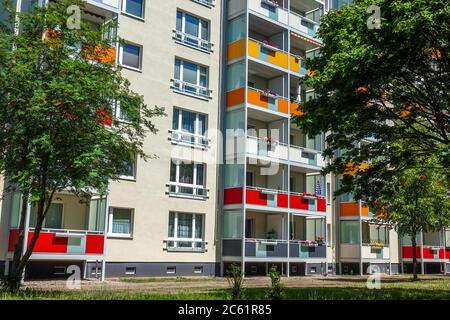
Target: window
171,270
134,7
53,219
129,169
372,233
189,127
198,269
191,78
208,3
249,223
447,238
121,222
350,232
185,231
192,31
130,270
187,179
315,229
120,114
250,181
130,56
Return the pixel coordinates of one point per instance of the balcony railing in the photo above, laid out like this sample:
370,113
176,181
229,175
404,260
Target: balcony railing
303,25
111,5
270,54
307,249
267,148
271,198
267,100
63,241
261,248
378,251
429,252
270,10
185,190
192,40
188,138
193,89
185,244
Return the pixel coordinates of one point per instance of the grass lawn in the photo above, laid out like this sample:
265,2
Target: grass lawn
340,289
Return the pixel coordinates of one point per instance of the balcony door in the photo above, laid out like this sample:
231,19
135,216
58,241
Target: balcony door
53,219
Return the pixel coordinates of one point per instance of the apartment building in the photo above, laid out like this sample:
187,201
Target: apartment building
258,198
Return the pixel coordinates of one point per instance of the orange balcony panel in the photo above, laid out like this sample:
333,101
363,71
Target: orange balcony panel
235,97
283,105
295,64
349,209
253,49
236,50
100,54
278,58
364,211
257,99
294,109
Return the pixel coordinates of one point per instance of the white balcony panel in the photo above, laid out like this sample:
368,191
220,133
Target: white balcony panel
376,253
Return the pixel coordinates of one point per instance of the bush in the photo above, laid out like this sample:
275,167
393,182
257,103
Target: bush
236,281
276,291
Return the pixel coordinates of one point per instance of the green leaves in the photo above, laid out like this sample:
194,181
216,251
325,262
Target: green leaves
51,91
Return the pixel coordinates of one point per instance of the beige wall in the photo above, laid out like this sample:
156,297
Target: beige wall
147,195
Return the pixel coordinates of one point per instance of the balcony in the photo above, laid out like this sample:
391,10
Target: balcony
303,25
266,248
269,54
267,100
434,247
270,199
307,249
102,6
191,89
270,9
206,3
375,251
267,148
73,228
63,243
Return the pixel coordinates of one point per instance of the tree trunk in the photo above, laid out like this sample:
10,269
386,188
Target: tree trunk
414,246
13,280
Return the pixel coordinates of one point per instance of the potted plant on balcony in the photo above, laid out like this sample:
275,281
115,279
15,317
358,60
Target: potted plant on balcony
270,94
272,234
271,3
320,241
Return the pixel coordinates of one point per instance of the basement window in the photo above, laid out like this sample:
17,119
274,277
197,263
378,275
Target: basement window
171,270
130,271
59,270
198,269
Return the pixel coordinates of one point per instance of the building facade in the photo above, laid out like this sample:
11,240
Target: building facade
233,180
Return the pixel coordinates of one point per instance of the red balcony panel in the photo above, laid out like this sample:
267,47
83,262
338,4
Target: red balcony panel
321,205
256,197
13,238
94,244
298,202
407,252
442,253
47,242
447,254
233,196
282,200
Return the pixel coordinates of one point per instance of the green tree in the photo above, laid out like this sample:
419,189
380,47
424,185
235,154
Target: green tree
58,86
276,291
413,201
385,85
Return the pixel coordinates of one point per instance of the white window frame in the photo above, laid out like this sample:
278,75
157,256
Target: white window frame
124,10
175,239
133,177
183,37
195,194
206,3
110,224
179,84
177,134
117,112
140,56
